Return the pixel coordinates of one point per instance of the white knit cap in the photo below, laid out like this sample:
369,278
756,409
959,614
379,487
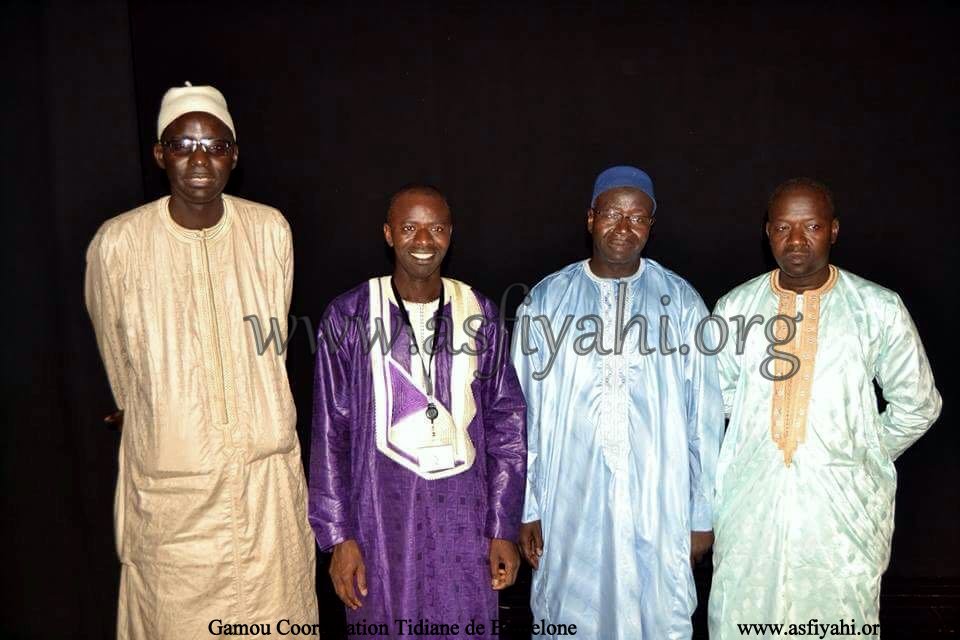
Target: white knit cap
180,100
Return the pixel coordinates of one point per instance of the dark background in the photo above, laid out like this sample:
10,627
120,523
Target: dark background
511,110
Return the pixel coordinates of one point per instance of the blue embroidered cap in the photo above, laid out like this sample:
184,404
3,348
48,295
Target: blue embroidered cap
623,176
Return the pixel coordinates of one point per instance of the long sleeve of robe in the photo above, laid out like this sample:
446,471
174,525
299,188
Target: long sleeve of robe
811,539
425,542
210,507
622,448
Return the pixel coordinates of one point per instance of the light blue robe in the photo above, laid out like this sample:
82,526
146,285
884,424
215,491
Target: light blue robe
622,451
811,540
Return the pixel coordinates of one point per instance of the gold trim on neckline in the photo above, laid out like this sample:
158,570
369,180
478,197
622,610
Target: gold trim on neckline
790,404
822,289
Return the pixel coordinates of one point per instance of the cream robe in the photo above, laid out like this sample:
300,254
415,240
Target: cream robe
210,506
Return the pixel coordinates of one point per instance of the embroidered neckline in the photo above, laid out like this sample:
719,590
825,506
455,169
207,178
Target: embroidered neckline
209,233
791,396
633,276
822,289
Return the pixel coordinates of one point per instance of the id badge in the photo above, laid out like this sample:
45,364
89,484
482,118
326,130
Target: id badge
436,458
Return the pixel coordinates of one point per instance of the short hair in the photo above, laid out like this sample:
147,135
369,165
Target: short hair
419,189
803,183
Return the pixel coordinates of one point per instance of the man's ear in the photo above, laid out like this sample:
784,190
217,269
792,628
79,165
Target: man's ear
388,234
834,230
158,155
236,156
590,220
766,229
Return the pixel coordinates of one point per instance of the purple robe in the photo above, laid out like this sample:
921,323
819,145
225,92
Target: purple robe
425,543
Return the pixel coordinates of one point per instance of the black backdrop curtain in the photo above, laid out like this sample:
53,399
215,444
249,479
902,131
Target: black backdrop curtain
511,111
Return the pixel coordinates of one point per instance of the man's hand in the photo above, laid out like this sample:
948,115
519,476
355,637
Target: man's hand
115,420
531,542
346,563
700,543
504,562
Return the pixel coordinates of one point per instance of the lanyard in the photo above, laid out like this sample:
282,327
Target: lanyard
431,411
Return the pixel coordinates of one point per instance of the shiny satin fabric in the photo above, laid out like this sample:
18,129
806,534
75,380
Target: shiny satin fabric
425,542
622,451
812,539
210,506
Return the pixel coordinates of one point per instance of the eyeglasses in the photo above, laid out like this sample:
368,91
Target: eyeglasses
614,217
186,146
